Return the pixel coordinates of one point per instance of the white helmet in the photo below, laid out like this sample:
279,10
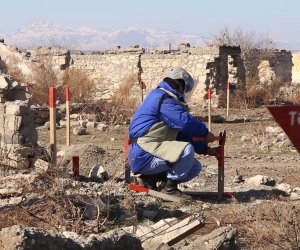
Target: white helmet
180,73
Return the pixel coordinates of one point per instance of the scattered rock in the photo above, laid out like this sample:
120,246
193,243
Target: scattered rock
102,127
41,166
149,214
79,130
220,238
261,180
98,173
238,179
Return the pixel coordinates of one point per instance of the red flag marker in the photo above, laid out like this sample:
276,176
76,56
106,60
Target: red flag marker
288,117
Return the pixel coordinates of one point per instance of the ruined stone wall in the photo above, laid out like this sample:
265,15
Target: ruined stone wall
18,136
109,70
270,65
296,67
212,66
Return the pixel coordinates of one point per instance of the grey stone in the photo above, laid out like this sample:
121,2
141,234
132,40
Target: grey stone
220,238
261,180
79,130
98,173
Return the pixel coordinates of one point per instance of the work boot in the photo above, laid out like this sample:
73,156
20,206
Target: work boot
171,187
150,181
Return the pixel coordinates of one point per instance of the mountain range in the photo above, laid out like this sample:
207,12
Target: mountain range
90,39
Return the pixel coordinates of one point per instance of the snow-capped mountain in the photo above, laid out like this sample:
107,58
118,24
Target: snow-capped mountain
87,39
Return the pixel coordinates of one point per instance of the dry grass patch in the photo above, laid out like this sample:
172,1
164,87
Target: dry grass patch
269,225
82,88
44,77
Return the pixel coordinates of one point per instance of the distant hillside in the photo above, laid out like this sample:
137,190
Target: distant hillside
84,38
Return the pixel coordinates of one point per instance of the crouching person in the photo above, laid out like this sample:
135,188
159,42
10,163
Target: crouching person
162,131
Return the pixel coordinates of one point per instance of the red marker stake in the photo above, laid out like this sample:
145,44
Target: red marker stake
52,112
75,166
68,129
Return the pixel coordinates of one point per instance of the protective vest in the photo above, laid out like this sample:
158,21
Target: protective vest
160,140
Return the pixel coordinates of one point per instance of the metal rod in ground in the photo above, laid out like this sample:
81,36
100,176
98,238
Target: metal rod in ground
209,94
221,168
52,112
126,166
228,91
68,125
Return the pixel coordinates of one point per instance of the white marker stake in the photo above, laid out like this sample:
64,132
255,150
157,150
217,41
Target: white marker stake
228,90
209,94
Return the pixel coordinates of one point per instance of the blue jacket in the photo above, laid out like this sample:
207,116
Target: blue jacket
172,114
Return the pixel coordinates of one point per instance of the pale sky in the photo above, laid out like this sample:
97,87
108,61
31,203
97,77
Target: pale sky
279,19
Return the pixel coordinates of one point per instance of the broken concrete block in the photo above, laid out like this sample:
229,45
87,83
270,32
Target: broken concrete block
41,166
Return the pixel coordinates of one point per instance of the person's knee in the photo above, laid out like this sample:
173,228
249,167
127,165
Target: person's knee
189,149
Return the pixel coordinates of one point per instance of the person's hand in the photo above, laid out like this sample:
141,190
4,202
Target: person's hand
212,151
211,137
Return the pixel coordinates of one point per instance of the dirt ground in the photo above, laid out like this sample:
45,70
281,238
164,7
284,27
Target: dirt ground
244,157
266,218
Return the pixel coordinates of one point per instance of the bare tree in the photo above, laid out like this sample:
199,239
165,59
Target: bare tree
247,40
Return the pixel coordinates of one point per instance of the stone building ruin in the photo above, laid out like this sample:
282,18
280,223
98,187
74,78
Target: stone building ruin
210,66
18,136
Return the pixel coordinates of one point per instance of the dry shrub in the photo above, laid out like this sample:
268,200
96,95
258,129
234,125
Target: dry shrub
15,72
123,98
121,108
44,77
253,95
269,225
82,88
274,225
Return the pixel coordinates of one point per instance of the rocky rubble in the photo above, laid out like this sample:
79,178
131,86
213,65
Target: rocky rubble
18,137
18,237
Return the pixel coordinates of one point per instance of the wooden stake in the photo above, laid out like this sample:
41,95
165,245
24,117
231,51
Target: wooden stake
228,90
68,125
209,94
52,112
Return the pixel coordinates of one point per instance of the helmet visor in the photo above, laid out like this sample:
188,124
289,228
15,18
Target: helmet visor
189,90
